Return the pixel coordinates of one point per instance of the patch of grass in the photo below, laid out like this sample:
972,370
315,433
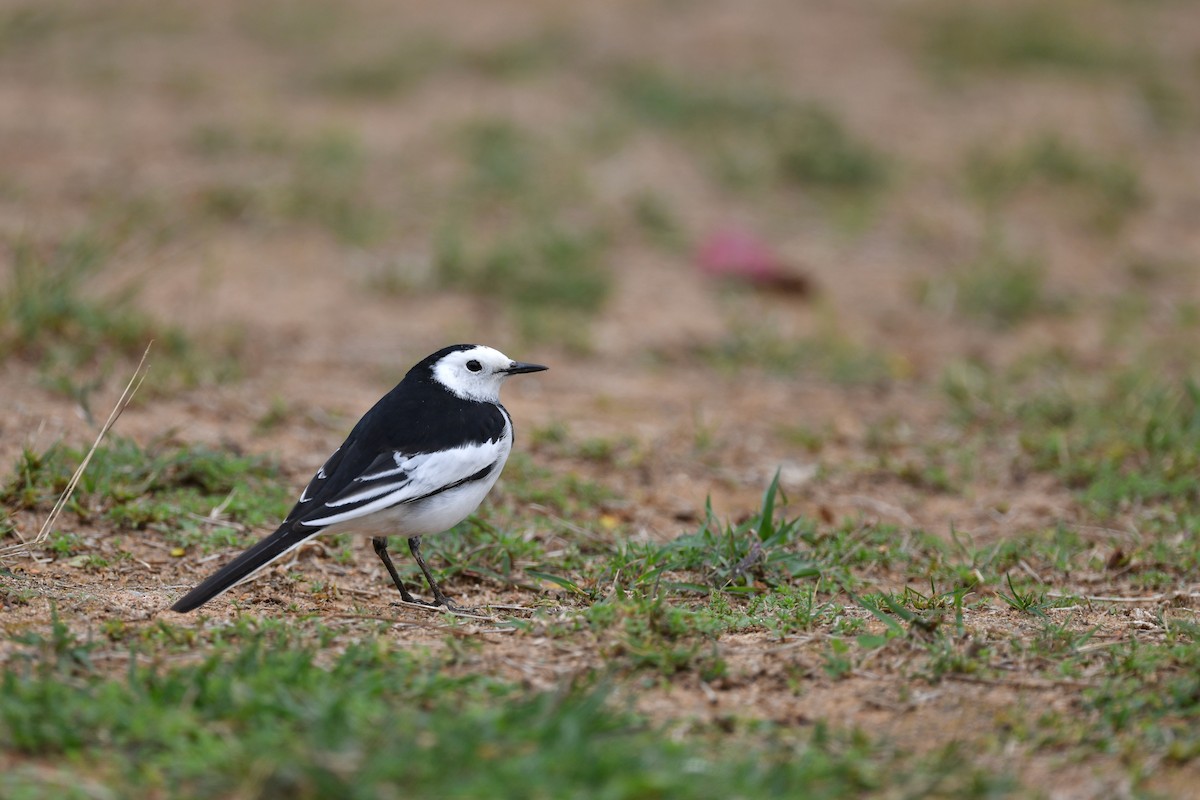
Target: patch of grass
977,395
49,315
754,136
522,231
565,492
278,414
815,149
791,609
383,75
554,434
929,472
604,450
829,354
500,552
193,494
1166,103
764,554
320,180
217,140
1132,440
541,52
1149,694
999,289
326,188
13,595
555,439
24,25
266,712
549,275
46,315
759,551
657,223
1027,602
501,157
516,175
1126,440
64,544
647,632
810,439
1025,36
230,202
212,140
1108,189
302,26
659,99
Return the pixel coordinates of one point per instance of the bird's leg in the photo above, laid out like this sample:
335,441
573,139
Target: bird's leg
380,543
439,599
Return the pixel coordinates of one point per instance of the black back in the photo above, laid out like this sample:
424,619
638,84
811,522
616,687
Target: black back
418,415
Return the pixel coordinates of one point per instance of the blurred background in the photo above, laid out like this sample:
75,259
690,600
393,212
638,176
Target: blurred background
841,237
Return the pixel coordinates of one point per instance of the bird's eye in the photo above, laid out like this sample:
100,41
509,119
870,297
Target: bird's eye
474,365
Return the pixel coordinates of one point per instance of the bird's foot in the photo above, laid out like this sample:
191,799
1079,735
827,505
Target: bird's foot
444,604
455,608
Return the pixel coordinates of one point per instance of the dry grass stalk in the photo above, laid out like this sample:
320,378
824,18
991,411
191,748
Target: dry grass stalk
135,382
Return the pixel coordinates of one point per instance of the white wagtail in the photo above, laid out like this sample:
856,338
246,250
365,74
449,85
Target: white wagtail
417,463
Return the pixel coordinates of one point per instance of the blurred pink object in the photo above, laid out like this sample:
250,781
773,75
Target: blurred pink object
741,256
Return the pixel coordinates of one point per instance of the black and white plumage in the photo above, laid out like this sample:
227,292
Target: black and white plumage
419,462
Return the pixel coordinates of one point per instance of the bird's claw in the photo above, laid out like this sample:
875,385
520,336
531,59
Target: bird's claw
444,605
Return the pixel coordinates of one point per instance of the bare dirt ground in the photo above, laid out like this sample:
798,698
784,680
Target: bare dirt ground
101,112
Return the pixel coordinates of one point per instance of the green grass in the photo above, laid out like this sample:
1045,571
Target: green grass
517,226
1163,719
658,223
320,179
1029,36
523,57
998,289
1133,440
326,188
375,73
1106,190
299,26
24,25
521,231
1123,440
266,712
384,75
50,316
731,557
511,172
501,157
551,277
299,708
828,354
46,315
173,490
754,138
500,543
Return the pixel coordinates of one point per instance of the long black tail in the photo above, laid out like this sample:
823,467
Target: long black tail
241,567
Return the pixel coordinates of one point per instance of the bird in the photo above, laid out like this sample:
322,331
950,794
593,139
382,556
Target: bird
418,462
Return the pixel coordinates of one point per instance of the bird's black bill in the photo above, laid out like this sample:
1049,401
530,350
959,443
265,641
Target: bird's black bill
518,367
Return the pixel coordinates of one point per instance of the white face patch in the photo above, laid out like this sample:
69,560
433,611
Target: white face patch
475,374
